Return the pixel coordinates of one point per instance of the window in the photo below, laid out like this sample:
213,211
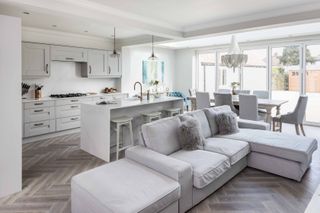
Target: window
254,72
206,72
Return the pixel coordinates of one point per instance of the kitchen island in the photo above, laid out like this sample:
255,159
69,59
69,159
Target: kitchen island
97,131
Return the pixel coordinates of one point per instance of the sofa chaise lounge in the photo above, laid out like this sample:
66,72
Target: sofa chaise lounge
201,172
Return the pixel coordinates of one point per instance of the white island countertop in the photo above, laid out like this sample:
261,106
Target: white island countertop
132,102
98,137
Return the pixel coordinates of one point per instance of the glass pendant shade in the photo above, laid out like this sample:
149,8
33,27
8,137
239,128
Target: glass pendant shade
234,58
153,57
114,52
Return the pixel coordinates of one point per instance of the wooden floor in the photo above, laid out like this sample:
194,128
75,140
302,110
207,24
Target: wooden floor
49,165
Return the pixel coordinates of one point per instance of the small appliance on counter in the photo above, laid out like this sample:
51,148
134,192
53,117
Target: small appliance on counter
110,90
38,91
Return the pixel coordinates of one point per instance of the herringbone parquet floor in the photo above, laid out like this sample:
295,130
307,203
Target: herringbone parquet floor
49,165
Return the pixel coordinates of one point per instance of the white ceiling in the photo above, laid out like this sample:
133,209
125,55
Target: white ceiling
187,14
249,36
170,19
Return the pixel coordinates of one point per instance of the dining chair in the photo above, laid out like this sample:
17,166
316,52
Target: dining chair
248,108
221,99
224,91
261,94
202,100
192,93
238,92
296,117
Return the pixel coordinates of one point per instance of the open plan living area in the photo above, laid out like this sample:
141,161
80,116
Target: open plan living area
172,106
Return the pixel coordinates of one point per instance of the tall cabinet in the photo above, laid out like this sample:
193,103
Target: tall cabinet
35,60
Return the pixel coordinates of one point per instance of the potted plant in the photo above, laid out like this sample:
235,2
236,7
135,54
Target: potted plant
234,86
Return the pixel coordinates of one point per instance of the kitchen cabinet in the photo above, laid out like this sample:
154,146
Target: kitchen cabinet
96,66
113,66
60,53
35,60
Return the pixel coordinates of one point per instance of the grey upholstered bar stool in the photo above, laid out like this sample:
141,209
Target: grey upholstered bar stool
151,116
120,123
173,112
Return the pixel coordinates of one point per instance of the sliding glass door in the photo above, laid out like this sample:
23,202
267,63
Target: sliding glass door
255,71
206,72
286,73
312,83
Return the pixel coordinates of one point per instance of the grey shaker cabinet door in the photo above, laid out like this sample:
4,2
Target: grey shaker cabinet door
35,60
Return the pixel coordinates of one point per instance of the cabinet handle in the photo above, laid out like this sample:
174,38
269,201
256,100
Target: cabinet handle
74,107
109,69
90,69
38,124
38,104
47,70
39,110
74,100
74,119
71,59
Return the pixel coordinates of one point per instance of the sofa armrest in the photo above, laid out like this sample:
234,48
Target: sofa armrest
166,165
248,124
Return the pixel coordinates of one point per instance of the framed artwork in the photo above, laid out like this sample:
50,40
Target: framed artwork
152,71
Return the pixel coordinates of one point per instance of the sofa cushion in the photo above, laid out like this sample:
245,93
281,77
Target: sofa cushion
227,123
206,166
234,149
124,186
211,116
162,135
189,133
204,124
291,147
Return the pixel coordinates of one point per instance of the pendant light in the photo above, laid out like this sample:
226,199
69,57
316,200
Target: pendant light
114,52
152,57
234,58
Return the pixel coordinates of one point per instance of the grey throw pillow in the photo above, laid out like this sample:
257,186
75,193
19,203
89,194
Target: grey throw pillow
227,123
189,133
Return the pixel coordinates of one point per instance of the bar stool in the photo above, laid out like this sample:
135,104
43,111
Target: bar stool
120,123
152,116
173,112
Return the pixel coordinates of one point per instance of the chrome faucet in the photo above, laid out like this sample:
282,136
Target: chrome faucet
134,87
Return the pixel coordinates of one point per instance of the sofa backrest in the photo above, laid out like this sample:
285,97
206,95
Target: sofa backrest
204,124
162,135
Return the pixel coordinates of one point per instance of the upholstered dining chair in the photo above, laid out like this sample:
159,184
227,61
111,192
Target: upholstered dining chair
202,100
221,99
261,94
192,93
224,91
296,117
248,108
238,92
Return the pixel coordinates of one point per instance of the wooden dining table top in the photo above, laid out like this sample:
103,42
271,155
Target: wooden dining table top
261,102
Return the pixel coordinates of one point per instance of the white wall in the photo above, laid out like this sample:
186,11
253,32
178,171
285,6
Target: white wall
66,77
10,107
132,58
184,70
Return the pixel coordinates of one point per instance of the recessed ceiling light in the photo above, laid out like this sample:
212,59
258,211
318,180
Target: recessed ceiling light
26,13
54,25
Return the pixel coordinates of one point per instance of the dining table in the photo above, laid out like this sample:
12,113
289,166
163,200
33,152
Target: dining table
267,104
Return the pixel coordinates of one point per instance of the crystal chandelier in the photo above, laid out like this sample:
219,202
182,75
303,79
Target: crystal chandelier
234,58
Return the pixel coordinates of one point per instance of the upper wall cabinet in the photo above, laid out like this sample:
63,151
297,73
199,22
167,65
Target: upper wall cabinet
35,60
60,53
113,65
101,65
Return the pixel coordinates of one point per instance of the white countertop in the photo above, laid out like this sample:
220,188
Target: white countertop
28,100
131,102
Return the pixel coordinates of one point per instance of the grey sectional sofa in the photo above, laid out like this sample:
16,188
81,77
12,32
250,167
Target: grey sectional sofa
198,173
222,157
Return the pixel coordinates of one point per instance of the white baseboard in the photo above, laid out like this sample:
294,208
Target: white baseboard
47,136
